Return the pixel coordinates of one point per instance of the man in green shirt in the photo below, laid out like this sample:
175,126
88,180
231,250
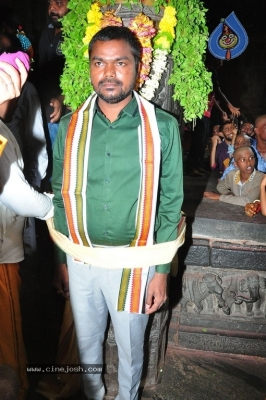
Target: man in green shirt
117,183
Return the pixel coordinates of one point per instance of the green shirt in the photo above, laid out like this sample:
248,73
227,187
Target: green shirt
114,179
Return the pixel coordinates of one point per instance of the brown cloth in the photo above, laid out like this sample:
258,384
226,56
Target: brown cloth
12,351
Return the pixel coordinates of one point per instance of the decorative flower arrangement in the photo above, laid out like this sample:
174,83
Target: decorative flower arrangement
162,46
182,35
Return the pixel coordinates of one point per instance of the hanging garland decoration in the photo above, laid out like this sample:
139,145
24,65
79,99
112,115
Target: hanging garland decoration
190,78
185,41
162,46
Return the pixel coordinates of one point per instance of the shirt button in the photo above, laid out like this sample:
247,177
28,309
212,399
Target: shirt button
108,154
105,206
106,181
106,233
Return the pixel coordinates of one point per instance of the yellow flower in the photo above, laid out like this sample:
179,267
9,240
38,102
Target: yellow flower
94,15
168,22
163,43
90,32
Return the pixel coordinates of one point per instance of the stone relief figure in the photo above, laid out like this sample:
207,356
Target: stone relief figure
246,288
196,289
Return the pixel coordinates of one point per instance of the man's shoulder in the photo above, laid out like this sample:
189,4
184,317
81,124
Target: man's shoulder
48,29
66,119
259,174
222,146
165,120
232,173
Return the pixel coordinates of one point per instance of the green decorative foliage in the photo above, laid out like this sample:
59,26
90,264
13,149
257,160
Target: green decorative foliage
192,82
75,83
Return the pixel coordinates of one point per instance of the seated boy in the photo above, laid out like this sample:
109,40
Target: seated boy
240,186
241,140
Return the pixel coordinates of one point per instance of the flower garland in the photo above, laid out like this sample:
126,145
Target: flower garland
162,47
141,25
190,80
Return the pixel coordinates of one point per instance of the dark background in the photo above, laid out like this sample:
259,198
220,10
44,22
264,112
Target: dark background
243,79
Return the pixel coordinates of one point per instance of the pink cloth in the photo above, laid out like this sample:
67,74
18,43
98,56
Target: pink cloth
10,59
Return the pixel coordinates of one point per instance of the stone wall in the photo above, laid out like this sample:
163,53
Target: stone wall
223,303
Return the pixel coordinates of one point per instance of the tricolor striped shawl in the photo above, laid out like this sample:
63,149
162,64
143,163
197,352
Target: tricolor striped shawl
133,281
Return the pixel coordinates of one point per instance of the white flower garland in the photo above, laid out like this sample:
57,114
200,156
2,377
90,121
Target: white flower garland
157,69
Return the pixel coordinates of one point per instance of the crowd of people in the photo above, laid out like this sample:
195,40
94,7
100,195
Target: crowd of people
117,197
238,154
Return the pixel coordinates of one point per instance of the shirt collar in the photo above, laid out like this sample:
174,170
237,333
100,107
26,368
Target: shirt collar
130,109
237,177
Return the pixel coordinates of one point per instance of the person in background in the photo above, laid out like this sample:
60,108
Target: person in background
201,132
259,143
216,133
242,186
25,121
50,66
17,201
221,153
247,128
240,140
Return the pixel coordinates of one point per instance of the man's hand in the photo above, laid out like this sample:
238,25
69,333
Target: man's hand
215,141
57,104
60,280
234,111
11,80
156,293
211,195
224,116
251,209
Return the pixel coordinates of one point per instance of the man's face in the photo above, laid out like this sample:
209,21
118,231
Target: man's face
260,129
247,128
112,70
241,140
245,161
56,10
228,131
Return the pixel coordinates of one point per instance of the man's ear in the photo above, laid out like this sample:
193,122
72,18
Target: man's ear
256,130
235,164
138,68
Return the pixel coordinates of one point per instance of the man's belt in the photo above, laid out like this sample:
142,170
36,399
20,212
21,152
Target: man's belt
120,257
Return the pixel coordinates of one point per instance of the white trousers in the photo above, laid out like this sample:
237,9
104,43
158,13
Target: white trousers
94,292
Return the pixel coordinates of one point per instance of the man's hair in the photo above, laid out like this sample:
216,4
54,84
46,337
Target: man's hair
118,33
242,148
223,124
258,119
9,43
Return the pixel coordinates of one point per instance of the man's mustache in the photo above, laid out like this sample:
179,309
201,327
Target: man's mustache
52,14
115,81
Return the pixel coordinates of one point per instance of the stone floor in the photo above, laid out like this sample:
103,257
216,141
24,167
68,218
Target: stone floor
200,375
187,374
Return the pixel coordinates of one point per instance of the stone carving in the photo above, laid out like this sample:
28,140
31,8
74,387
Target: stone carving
248,288
197,289
228,292
223,344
